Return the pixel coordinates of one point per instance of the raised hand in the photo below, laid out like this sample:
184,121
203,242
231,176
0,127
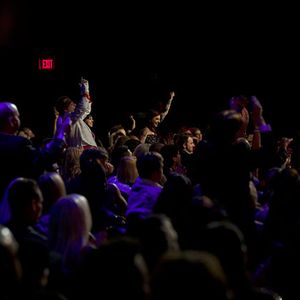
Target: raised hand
172,95
257,115
84,87
257,111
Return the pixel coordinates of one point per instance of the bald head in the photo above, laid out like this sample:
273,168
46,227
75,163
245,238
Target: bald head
9,118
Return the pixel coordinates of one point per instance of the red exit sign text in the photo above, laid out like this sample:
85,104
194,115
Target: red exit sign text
46,63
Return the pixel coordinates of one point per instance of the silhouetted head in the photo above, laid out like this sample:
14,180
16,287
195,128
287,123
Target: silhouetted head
225,126
9,118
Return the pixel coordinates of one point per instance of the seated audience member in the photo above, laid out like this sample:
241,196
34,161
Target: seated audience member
146,189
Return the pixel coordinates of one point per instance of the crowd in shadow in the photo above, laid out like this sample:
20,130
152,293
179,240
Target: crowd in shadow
148,214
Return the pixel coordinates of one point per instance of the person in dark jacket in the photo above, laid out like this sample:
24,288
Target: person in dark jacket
18,157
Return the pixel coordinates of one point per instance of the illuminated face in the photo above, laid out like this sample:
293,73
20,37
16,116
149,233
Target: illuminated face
29,133
89,121
15,118
189,145
155,121
198,135
71,107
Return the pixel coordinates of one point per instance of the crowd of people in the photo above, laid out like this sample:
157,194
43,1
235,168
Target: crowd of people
207,214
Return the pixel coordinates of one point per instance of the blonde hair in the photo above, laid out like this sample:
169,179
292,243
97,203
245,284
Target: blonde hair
71,165
52,187
127,171
69,228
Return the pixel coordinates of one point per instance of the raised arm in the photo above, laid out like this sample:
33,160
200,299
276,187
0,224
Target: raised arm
84,106
84,88
260,125
168,106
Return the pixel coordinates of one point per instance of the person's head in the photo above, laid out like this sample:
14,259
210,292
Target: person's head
185,130
156,235
64,104
52,187
70,224
89,120
25,200
185,143
116,130
238,102
115,133
127,171
171,156
190,274
9,118
70,208
226,241
117,153
225,126
175,197
94,164
189,145
10,270
119,267
150,166
197,134
153,118
141,149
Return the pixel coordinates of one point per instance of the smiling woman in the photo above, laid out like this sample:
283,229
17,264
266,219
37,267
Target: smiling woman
89,120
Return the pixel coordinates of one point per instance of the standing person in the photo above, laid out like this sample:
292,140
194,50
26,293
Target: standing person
240,104
18,157
80,134
153,119
89,120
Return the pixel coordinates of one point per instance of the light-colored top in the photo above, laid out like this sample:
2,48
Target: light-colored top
80,134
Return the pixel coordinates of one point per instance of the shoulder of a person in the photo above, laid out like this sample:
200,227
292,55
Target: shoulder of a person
243,143
19,140
145,129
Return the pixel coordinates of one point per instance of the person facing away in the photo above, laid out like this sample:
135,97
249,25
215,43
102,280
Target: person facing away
11,269
80,134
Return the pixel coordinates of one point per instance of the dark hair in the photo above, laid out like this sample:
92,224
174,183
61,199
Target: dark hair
20,193
90,166
62,103
149,163
151,113
89,116
225,126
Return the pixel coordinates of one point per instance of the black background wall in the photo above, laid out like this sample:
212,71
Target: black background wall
129,53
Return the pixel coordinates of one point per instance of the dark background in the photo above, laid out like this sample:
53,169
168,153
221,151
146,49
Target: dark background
132,55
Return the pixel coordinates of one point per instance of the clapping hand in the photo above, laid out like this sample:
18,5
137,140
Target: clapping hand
257,111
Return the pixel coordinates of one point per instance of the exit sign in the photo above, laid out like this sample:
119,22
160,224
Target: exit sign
46,63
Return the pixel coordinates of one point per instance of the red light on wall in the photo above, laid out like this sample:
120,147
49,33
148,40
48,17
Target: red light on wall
46,64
